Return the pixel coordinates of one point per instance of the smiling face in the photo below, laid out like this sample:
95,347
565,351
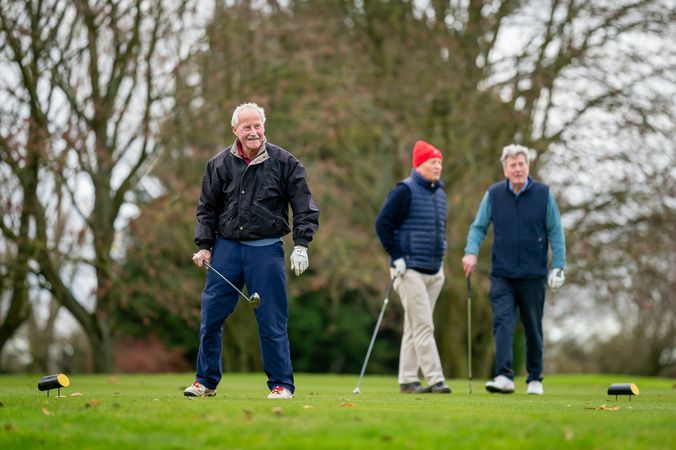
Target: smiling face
250,130
516,171
430,169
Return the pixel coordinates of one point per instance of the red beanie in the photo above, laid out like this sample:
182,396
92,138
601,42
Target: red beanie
422,151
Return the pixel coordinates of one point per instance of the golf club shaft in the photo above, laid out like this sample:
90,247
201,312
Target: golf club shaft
209,266
469,331
375,332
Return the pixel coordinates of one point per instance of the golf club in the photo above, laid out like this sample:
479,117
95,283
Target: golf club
357,390
469,331
253,301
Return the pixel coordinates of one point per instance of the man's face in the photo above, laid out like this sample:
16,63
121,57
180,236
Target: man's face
250,130
430,169
516,170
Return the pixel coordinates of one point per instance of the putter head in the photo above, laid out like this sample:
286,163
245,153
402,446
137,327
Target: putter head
254,300
356,390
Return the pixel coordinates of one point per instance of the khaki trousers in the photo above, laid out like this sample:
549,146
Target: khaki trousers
418,293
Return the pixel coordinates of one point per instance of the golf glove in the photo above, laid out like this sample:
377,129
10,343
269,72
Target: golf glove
299,259
556,278
399,266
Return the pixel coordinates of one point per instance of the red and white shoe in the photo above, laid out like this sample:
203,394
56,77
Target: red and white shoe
280,392
197,389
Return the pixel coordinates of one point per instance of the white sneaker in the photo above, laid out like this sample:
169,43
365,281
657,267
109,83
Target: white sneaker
535,388
280,392
500,384
197,389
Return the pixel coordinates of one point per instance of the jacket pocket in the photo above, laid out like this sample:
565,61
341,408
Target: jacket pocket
276,223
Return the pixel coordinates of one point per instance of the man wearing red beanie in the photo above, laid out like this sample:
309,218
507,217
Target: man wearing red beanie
411,226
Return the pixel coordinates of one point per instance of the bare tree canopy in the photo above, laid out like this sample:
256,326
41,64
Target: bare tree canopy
83,86
349,86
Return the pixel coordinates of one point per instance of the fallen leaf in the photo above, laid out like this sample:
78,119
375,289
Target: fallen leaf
113,380
92,403
609,408
76,394
9,427
568,434
247,413
308,407
348,404
277,410
47,412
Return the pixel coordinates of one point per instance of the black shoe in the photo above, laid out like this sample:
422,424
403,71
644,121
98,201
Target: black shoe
439,388
413,388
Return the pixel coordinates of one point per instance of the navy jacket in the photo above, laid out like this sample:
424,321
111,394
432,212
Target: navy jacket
520,239
247,202
412,223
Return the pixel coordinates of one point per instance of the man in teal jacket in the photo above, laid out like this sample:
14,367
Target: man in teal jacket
526,222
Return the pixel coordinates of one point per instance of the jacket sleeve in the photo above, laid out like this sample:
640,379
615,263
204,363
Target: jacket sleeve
479,228
557,240
207,208
391,216
303,207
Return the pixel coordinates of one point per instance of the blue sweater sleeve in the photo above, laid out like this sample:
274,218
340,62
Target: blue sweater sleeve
557,239
479,228
390,218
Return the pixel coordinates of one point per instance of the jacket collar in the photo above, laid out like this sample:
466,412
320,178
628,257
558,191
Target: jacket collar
529,184
432,186
260,157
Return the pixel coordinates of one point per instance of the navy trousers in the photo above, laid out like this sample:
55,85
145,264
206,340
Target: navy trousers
261,269
528,296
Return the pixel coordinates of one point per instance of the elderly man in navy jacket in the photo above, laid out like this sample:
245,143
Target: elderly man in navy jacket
411,226
242,214
526,222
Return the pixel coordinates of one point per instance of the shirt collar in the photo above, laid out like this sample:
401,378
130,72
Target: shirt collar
525,185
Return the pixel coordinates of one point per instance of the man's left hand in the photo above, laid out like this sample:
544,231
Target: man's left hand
299,259
556,278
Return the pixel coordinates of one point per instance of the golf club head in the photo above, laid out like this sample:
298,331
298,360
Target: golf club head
254,300
356,390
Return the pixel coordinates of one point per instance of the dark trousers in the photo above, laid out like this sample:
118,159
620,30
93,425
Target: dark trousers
528,296
261,269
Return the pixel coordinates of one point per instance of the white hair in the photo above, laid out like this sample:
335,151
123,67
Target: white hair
512,151
235,115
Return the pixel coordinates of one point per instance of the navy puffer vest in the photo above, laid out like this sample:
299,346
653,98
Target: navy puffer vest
520,239
422,235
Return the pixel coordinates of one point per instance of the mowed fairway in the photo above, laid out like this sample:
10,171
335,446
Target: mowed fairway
149,411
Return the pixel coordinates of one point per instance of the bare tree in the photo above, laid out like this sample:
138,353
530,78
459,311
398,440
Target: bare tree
84,88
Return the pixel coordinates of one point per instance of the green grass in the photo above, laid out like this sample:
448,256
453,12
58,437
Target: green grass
149,412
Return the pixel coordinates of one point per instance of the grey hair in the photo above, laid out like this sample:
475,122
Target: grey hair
235,115
512,151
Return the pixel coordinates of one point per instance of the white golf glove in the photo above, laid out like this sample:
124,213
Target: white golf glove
399,266
299,259
556,278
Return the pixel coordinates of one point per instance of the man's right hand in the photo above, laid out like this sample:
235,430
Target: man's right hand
399,266
201,257
468,264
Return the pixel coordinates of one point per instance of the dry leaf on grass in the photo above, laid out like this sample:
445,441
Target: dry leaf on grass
308,407
92,403
76,394
609,408
277,410
247,414
47,412
348,404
